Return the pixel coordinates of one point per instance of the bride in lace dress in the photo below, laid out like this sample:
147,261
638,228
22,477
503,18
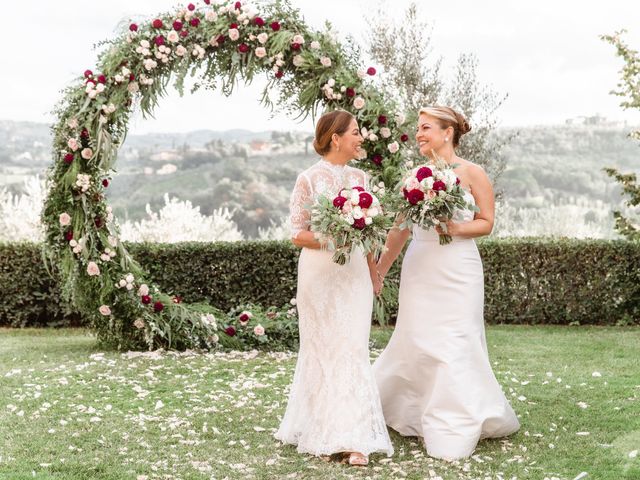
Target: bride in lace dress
434,376
334,404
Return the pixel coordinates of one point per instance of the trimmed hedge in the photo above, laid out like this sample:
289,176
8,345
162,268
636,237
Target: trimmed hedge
530,281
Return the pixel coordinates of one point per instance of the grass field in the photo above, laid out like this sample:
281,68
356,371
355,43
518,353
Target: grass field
71,411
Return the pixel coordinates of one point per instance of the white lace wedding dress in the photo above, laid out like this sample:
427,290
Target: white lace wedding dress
434,376
334,404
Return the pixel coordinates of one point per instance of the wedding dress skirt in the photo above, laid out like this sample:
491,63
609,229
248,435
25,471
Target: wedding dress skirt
434,376
334,405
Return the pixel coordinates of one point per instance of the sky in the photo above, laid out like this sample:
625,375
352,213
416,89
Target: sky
545,55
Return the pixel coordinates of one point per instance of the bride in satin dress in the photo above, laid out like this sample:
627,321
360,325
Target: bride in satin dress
434,376
334,405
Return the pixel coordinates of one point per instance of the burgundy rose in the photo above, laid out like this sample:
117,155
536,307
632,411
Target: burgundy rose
404,137
238,6
279,74
68,236
457,181
258,21
230,331
146,299
423,172
133,27
177,25
184,33
158,307
91,80
275,26
439,185
244,317
68,158
88,73
220,39
132,77
382,120
414,196
97,222
102,79
159,40
233,25
157,23
207,2
365,200
177,299
295,46
194,22
359,223
339,201
191,7
105,183
243,48
377,159
405,192
84,133
371,71
358,187
350,92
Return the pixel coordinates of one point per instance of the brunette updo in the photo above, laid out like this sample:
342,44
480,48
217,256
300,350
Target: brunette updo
448,117
337,121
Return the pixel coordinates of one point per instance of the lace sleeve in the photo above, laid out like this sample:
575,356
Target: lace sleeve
300,198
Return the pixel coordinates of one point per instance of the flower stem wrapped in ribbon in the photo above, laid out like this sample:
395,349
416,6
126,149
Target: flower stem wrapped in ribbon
429,195
354,218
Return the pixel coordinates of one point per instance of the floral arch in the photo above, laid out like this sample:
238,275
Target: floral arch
221,44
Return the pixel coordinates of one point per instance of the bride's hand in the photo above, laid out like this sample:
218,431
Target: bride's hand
378,282
453,229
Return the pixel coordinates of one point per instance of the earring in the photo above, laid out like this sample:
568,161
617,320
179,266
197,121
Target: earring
446,139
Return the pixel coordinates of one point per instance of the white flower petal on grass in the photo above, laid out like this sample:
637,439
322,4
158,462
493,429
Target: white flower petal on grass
581,475
159,405
596,374
583,434
633,454
582,405
258,429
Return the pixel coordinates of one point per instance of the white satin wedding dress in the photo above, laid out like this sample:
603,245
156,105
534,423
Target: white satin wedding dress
434,376
334,405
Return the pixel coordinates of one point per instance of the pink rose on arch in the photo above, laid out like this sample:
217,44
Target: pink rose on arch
92,269
414,196
338,202
65,219
72,143
258,330
105,310
365,200
86,153
423,172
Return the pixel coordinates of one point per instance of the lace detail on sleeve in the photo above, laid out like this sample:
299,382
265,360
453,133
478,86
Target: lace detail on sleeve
301,197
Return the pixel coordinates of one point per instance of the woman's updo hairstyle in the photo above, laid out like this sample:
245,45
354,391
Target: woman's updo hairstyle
337,121
448,117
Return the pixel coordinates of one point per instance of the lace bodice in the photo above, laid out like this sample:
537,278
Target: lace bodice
322,178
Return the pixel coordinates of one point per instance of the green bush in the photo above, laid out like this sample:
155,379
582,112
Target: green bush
526,280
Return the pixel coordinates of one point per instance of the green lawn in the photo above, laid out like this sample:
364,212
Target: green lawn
71,411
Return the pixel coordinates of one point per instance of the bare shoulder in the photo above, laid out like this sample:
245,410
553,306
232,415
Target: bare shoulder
474,171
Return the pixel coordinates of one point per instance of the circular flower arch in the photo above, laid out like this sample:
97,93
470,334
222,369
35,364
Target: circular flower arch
221,44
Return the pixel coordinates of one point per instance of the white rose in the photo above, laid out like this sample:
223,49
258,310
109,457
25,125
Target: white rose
93,270
400,118
385,132
105,310
362,73
261,52
65,219
105,257
331,82
129,278
358,102
258,330
349,219
234,34
368,220
355,197
373,137
86,153
427,183
133,87
298,39
357,213
73,122
262,38
138,323
129,286
393,147
72,143
143,290
122,283
210,16
326,62
372,212
113,241
100,87
144,44
73,243
180,50
173,36
315,45
298,60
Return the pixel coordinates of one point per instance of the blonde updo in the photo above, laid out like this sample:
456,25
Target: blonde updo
448,117
338,122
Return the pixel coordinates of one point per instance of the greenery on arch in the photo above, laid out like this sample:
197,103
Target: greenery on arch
222,45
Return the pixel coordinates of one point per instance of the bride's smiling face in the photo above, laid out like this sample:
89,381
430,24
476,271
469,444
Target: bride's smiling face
430,135
350,142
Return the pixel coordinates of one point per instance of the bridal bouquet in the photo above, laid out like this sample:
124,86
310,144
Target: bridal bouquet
430,195
353,218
